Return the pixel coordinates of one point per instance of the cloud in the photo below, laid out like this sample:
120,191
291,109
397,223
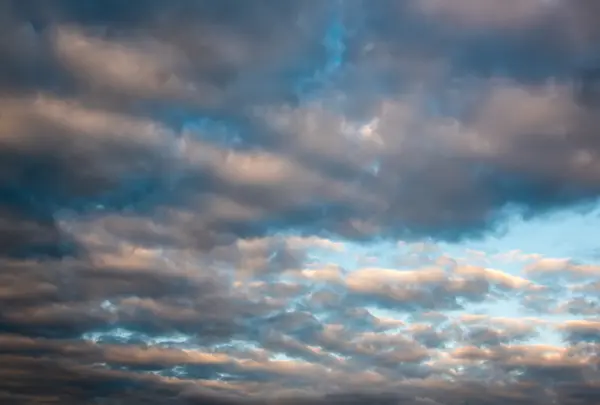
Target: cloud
146,69
486,14
431,288
486,158
163,318
261,203
581,331
318,167
562,267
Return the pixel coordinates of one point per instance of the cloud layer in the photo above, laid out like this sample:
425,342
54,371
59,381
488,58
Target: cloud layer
194,199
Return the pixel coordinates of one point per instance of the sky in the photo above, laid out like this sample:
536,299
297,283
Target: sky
391,202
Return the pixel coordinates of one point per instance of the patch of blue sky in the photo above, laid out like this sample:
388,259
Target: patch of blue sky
390,314
334,45
566,233
126,336
334,41
357,255
118,333
216,131
279,356
236,345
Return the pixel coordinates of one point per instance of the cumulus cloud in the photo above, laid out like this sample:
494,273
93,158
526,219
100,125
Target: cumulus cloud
143,68
258,203
563,267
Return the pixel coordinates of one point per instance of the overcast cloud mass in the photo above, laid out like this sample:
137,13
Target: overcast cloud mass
267,202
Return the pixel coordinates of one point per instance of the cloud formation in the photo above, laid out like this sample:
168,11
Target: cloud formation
257,203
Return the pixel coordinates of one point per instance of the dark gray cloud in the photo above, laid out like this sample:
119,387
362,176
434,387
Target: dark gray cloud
163,65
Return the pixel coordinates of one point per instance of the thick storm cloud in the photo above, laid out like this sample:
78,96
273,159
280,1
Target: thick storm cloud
278,202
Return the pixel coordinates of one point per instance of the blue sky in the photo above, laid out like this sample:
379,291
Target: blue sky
300,202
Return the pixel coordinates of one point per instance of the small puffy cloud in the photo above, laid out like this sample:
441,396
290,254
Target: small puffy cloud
486,331
433,287
584,306
581,331
566,268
